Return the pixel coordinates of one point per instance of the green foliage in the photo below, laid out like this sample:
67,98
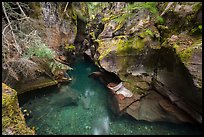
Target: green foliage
57,66
39,49
197,6
121,19
200,27
150,6
148,31
197,29
95,7
160,20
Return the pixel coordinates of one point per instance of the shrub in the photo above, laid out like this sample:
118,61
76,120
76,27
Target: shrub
38,48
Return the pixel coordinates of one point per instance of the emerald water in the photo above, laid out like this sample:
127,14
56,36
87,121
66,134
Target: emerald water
81,107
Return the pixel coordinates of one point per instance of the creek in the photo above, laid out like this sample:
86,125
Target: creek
81,108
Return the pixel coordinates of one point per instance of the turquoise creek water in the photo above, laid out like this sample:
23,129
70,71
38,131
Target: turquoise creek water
81,108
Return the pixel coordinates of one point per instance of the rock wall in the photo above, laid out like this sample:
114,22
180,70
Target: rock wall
136,45
56,24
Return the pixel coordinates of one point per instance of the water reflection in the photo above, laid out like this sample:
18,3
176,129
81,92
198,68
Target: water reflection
101,126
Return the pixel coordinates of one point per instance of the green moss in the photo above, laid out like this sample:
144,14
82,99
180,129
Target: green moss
105,53
189,17
122,46
106,19
106,46
120,37
131,46
12,117
186,54
7,99
119,26
70,48
71,13
176,46
130,83
92,35
6,121
139,45
143,34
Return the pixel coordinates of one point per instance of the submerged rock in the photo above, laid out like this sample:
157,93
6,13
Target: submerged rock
66,97
85,102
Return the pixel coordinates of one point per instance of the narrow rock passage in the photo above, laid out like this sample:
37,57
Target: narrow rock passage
73,109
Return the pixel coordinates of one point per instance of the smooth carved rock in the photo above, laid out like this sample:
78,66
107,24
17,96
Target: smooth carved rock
119,105
178,113
179,102
154,107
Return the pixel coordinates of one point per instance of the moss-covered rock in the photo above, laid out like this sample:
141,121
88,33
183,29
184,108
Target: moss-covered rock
189,51
57,23
181,17
13,122
135,45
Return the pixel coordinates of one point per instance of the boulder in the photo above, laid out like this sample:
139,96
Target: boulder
13,122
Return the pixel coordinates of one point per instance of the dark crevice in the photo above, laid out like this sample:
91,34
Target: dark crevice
80,36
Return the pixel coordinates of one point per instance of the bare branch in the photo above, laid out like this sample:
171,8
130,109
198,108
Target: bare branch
21,10
167,7
66,6
14,38
5,28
